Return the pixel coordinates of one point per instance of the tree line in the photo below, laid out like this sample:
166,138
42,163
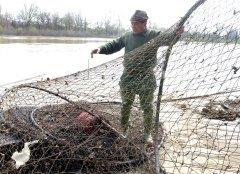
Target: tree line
30,20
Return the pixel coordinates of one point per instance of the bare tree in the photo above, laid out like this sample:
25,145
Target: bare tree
28,14
119,28
78,22
7,20
56,22
68,21
85,25
109,27
1,17
30,20
99,27
44,20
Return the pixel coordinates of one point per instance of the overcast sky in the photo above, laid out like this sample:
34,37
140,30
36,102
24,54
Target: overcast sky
162,12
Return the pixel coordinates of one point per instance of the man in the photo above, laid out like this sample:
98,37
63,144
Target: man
138,76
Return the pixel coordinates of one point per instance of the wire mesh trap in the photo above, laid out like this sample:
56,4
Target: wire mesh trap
66,145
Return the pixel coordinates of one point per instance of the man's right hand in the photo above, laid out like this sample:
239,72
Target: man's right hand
95,51
179,31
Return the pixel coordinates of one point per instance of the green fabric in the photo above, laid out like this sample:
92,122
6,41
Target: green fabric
145,62
146,99
146,95
138,76
129,40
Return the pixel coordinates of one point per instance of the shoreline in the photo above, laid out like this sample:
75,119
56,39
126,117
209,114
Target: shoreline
50,39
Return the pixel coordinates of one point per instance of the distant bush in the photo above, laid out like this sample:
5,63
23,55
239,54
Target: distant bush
32,29
1,29
18,31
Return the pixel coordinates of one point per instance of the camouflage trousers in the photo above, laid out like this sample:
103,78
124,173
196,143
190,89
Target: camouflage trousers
145,89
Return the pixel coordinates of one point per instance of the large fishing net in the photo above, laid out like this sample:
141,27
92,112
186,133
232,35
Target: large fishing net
71,124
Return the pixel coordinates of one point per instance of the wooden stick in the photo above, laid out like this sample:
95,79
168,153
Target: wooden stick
84,108
164,68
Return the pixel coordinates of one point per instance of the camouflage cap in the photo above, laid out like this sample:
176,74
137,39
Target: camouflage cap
139,15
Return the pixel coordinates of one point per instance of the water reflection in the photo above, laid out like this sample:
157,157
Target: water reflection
46,39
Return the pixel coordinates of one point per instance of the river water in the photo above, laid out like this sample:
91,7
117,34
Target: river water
33,58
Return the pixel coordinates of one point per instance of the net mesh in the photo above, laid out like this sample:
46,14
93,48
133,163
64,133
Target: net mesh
76,118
